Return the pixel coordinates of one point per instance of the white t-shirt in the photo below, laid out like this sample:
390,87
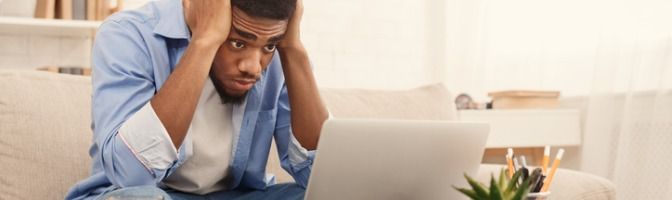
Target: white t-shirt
211,131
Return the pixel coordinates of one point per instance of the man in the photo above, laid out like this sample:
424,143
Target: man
187,96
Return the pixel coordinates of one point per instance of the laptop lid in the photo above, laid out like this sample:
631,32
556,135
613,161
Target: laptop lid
395,159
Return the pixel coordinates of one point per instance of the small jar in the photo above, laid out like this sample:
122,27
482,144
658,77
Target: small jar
538,196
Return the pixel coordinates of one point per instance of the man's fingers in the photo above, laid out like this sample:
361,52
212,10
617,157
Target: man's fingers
299,4
298,11
209,19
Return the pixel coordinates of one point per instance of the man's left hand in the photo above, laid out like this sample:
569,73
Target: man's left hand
293,35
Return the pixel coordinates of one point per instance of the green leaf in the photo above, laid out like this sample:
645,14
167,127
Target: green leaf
522,191
499,189
478,188
470,193
495,194
502,178
514,181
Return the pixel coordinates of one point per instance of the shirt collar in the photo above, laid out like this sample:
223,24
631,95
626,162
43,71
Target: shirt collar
171,22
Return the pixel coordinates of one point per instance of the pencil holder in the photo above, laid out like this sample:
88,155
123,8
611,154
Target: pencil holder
538,196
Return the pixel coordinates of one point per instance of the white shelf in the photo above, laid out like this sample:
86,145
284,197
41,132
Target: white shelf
32,26
528,128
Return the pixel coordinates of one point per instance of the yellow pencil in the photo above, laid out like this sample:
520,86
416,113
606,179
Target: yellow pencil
509,161
556,162
544,162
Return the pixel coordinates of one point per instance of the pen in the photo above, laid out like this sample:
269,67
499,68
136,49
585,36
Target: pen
535,179
556,162
516,164
526,171
509,157
540,183
523,161
544,162
516,167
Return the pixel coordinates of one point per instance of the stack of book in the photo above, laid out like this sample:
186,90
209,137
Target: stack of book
84,71
516,99
94,10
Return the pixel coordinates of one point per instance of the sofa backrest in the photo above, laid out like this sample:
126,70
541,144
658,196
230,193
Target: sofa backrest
432,102
44,133
45,126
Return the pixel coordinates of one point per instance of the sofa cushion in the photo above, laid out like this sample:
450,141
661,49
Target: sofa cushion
44,133
432,102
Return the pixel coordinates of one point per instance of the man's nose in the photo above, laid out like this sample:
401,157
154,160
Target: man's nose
251,64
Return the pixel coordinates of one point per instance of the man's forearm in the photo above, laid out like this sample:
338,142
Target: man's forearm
176,101
308,111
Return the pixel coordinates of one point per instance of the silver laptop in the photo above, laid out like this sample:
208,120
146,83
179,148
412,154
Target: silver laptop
395,159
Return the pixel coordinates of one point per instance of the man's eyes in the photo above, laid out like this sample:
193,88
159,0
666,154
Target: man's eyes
237,44
270,48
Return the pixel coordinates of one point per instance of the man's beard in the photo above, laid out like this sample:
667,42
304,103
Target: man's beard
225,96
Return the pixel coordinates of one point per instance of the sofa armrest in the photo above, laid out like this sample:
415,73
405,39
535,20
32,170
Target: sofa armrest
567,184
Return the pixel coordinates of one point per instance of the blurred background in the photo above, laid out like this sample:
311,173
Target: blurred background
610,60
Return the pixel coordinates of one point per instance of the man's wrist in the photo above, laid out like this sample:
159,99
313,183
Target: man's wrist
296,47
291,43
207,42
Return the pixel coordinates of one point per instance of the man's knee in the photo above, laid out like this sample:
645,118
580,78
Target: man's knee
138,193
288,190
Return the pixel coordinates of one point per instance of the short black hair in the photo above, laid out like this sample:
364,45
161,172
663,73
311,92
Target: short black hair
271,9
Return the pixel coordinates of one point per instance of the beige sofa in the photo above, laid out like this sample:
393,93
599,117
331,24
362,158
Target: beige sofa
45,133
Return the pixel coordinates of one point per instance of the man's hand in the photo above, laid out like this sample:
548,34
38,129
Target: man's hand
175,103
208,19
293,34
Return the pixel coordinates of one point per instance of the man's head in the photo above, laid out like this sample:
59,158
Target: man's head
257,27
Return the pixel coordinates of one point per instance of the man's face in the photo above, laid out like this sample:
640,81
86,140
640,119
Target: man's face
245,55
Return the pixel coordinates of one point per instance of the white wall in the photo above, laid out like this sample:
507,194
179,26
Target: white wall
575,46
385,44
521,44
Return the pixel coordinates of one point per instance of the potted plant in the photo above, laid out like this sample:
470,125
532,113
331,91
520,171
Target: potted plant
502,188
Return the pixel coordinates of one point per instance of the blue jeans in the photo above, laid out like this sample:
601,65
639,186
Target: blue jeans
280,191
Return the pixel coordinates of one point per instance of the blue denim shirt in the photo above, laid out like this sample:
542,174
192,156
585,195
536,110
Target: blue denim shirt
134,53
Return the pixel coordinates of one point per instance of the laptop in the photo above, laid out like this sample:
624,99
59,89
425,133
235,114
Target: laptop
395,159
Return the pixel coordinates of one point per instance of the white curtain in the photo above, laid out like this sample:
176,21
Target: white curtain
615,55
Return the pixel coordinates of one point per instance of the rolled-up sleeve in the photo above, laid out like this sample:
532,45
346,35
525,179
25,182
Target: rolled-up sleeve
297,154
148,140
132,144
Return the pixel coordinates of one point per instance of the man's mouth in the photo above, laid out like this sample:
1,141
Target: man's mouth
243,84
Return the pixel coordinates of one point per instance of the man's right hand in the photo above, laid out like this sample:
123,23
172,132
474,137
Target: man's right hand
208,19
176,101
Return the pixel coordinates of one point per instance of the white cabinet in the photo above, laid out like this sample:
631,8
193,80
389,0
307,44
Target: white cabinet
32,26
528,128
28,43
